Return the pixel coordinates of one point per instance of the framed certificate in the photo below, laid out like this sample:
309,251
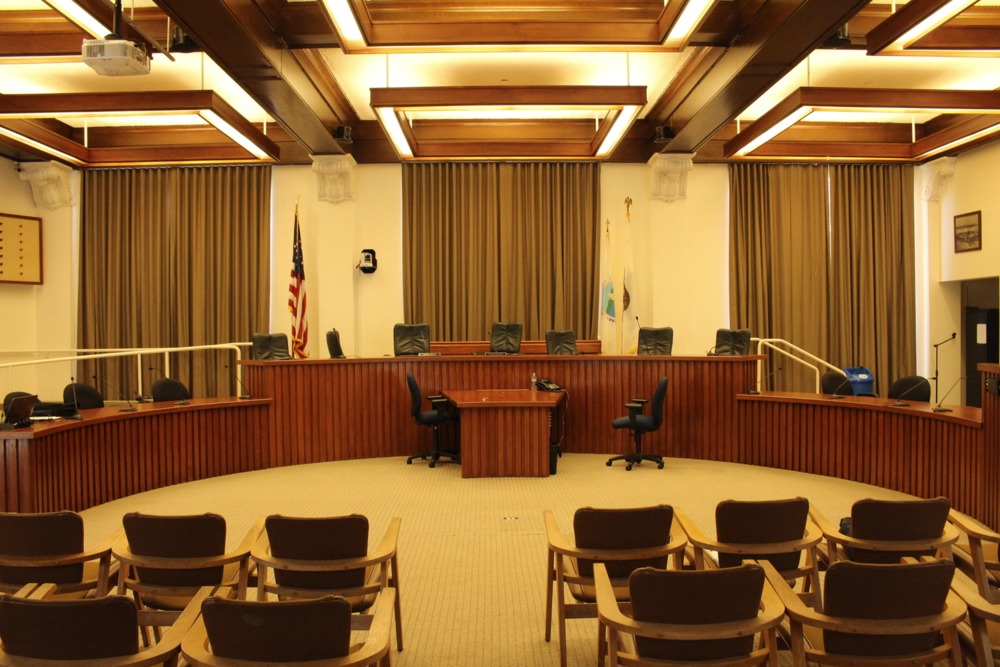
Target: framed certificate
20,249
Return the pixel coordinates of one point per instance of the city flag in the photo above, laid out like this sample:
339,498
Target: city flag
297,297
606,331
630,308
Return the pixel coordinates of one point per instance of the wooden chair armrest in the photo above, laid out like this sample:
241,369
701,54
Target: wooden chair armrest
793,604
387,547
123,552
971,528
948,537
251,537
261,554
35,591
97,552
828,528
812,537
978,606
558,544
694,534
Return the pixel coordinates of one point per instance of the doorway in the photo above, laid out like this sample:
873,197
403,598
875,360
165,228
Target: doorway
980,333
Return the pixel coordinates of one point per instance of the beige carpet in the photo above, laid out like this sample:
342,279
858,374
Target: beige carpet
472,551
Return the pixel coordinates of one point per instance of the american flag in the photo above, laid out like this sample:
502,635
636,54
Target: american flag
297,297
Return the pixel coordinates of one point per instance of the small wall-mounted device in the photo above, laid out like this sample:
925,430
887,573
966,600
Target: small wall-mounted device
368,262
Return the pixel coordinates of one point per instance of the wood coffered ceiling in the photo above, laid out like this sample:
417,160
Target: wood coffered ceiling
278,55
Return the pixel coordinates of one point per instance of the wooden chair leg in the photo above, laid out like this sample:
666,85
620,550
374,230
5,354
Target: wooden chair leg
561,601
771,642
981,641
798,644
549,574
261,583
398,604
602,646
613,646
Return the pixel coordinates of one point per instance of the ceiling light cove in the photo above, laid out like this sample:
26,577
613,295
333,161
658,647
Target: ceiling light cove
898,34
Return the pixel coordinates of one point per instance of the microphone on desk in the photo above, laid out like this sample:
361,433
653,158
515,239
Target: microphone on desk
938,407
181,402
899,401
76,405
130,408
839,387
754,392
246,397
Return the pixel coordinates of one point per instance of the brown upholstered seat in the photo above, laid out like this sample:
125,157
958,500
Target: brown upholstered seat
884,614
316,557
31,545
707,617
778,531
622,539
234,632
884,531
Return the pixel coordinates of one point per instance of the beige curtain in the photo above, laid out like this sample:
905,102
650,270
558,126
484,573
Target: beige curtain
173,257
486,242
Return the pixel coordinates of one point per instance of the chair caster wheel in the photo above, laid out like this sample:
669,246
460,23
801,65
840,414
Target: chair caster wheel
609,464
628,467
432,464
660,466
409,462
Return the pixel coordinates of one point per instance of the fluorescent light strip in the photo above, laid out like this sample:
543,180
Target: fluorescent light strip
617,131
963,140
942,15
40,146
233,133
391,124
80,17
690,18
347,25
775,130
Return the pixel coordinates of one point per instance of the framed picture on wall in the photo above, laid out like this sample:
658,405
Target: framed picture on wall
20,249
968,232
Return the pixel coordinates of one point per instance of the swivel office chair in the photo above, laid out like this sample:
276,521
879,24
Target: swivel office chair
82,396
411,339
506,337
654,342
639,423
169,389
731,343
333,344
560,342
914,387
431,418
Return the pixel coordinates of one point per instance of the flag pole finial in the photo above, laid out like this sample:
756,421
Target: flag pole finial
297,202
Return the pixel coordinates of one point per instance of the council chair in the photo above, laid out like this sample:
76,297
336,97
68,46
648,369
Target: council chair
169,389
432,419
913,387
623,539
883,531
411,339
778,531
270,347
314,557
333,344
233,633
48,548
731,343
506,337
37,631
708,618
82,396
638,423
892,615
560,342
655,342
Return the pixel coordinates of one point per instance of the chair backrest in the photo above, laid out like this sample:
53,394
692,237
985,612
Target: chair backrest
410,339
279,347
761,522
261,346
696,598
416,400
10,397
834,382
169,389
618,529
278,632
270,347
916,388
863,591
732,342
506,337
903,520
177,537
656,403
69,629
655,341
326,538
55,534
560,342
87,397
333,344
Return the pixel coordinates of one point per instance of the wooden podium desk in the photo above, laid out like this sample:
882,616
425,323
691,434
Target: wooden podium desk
506,432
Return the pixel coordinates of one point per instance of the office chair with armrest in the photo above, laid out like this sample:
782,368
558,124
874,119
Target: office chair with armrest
560,342
731,343
639,423
915,387
333,344
432,419
653,342
506,337
270,347
411,339
87,397
169,389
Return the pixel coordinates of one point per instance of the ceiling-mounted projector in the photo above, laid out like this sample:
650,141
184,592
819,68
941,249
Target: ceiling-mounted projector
115,57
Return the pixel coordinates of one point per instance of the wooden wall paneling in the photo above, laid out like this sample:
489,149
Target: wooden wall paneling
990,483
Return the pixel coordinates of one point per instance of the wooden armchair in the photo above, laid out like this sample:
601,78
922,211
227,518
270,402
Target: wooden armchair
981,635
705,618
316,632
316,557
778,531
877,616
623,539
978,560
48,548
37,631
884,531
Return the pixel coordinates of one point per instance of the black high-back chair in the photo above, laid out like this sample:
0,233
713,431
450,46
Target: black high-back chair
914,387
270,347
731,343
411,339
333,344
432,419
83,396
506,337
655,341
836,383
639,423
169,389
560,342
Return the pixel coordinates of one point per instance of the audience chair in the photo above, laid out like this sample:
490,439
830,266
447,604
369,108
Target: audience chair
731,343
431,418
560,342
638,423
653,342
708,618
411,339
778,531
506,337
232,633
37,631
980,635
48,548
314,557
82,396
890,615
623,539
978,559
168,389
914,387
333,344
883,531
271,347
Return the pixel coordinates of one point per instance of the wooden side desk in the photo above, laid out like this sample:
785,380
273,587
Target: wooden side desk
505,432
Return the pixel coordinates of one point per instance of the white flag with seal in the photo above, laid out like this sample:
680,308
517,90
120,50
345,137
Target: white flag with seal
630,307
606,331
